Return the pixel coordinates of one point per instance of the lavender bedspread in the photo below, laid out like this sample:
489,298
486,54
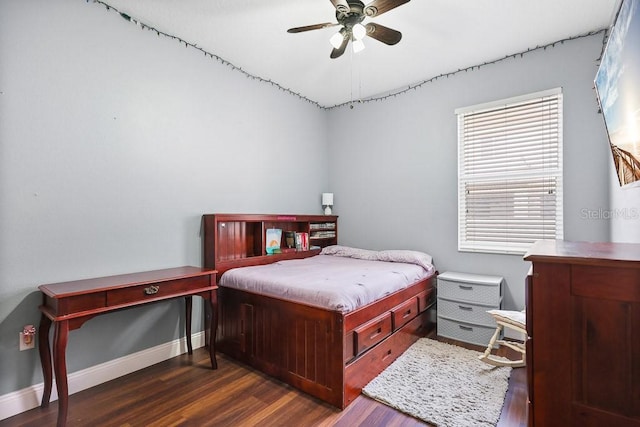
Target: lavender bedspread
342,281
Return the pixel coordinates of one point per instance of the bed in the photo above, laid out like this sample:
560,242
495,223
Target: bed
340,317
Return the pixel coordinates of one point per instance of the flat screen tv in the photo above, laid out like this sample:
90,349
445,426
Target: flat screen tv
617,86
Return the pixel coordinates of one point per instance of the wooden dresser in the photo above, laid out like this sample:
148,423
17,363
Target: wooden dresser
583,322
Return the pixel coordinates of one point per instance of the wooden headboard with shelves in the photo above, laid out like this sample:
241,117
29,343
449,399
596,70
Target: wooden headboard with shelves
239,240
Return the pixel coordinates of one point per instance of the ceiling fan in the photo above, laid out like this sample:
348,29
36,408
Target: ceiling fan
350,14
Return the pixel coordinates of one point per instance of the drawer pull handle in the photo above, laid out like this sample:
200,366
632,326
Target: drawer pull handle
465,328
462,307
375,333
406,314
151,290
466,288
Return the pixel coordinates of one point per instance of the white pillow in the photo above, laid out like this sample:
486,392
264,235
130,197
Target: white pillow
393,255
411,257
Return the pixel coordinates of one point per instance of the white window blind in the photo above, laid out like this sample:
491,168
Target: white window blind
510,173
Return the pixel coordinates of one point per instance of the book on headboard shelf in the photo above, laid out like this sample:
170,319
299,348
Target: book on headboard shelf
302,241
274,236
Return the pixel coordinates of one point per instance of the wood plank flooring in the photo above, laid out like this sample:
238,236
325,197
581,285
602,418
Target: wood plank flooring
184,391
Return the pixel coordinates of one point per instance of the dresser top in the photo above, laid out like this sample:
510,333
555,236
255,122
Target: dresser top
584,252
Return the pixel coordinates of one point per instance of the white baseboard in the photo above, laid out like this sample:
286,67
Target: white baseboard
28,398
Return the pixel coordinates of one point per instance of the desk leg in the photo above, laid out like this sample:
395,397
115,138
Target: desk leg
45,359
213,327
188,304
60,337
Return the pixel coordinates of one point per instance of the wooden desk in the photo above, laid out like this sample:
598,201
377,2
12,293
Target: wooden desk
70,304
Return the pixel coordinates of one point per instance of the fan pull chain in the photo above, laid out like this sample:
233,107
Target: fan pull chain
351,88
359,82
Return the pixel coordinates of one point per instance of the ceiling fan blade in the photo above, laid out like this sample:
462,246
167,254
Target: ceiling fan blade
341,5
339,51
384,34
378,7
311,27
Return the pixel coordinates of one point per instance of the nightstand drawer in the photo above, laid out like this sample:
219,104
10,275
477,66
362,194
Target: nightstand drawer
467,312
461,331
470,287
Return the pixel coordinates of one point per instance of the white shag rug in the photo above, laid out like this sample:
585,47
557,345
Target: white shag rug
442,384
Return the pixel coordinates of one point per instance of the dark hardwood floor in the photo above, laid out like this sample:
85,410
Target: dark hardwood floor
184,391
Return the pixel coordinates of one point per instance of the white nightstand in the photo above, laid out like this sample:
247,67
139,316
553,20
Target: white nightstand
463,301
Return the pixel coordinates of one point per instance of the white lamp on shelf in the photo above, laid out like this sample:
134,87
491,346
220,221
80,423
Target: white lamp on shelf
327,202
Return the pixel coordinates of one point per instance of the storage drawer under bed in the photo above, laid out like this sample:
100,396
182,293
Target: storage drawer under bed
372,332
404,312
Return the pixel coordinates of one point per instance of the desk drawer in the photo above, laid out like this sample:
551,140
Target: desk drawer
155,291
77,303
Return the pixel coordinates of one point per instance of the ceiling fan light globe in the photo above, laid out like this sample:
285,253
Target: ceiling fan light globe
358,45
336,40
359,31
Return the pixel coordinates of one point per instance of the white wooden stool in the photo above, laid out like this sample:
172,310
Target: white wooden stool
515,320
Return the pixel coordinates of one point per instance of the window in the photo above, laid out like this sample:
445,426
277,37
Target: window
510,173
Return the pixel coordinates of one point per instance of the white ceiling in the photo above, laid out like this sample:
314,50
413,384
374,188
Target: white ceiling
439,36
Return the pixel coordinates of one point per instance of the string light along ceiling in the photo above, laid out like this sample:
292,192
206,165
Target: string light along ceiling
142,24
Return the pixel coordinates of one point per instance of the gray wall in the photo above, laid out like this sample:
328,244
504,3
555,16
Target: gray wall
624,211
395,178
113,143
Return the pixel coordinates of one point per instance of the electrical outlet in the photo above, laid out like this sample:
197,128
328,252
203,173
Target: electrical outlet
27,341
